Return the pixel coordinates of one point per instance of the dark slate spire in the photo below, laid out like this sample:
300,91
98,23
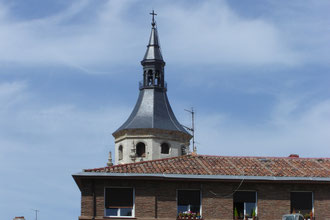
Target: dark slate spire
153,63
153,52
152,109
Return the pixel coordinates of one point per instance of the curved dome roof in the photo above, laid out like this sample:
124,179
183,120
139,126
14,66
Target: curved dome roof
152,110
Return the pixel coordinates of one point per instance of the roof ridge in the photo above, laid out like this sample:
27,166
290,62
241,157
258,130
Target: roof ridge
294,158
139,162
223,165
204,155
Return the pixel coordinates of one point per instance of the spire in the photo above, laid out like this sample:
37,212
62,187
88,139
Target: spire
153,109
153,51
109,163
153,63
152,123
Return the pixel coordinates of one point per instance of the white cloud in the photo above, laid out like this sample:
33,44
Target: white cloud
8,89
11,93
43,144
214,33
54,39
210,32
286,132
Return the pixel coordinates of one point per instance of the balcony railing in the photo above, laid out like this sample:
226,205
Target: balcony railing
189,217
141,86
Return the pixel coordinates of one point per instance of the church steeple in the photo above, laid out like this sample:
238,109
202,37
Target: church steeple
152,130
153,63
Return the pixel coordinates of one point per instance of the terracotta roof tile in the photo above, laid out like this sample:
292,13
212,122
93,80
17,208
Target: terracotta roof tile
225,165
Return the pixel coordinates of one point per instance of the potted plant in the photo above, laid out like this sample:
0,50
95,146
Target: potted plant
311,215
236,213
306,216
189,215
254,214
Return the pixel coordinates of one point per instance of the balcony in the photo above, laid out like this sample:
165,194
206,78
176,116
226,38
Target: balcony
189,217
141,86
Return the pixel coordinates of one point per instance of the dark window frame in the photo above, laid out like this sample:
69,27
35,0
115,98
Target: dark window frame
244,203
137,152
301,191
165,145
189,206
183,150
119,208
120,152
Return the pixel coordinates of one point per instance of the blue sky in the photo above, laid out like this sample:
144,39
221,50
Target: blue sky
256,72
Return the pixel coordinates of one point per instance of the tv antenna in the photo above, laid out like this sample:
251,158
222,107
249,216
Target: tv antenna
36,210
192,128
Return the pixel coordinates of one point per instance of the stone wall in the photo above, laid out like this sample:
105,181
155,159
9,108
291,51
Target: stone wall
152,138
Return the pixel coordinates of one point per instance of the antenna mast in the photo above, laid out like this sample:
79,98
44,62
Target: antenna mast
36,210
192,129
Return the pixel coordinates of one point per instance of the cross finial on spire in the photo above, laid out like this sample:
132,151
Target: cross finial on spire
153,17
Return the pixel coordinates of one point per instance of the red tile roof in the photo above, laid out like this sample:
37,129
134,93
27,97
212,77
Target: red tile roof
226,165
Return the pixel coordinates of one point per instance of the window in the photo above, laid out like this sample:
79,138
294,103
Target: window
189,201
245,204
302,202
150,78
183,150
165,148
157,78
119,201
141,149
120,152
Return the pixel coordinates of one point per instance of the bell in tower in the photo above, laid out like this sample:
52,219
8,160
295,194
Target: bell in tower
152,130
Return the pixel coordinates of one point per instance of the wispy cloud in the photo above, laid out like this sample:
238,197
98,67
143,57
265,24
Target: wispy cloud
287,131
44,139
57,39
213,33
209,32
44,144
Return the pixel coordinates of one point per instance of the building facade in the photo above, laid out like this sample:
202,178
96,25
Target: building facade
212,187
156,177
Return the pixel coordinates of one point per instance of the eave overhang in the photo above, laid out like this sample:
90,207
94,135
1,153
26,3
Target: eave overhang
164,176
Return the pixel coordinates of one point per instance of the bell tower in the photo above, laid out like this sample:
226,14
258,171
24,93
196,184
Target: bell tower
152,130
153,63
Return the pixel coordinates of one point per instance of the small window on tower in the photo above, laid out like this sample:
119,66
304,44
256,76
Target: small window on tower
165,148
183,150
157,78
141,149
150,78
120,152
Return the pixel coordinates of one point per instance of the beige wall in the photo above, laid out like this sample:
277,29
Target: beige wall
152,139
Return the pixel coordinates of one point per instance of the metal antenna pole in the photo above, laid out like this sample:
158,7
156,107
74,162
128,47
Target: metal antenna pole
192,129
36,210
